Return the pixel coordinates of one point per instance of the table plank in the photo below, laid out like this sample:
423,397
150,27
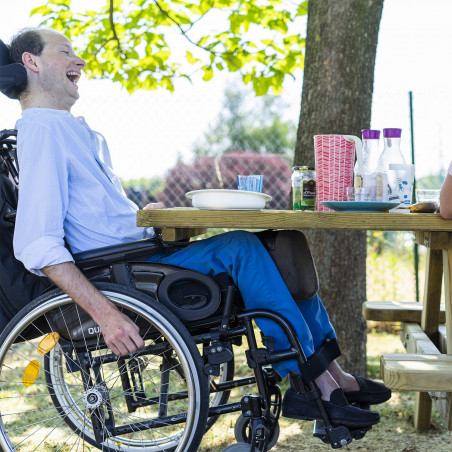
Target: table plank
290,219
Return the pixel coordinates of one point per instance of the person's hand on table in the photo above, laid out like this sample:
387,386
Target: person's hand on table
154,205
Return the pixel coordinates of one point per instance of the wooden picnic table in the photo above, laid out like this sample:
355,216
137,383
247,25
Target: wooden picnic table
427,367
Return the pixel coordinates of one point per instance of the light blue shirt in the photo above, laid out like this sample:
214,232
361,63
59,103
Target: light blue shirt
67,189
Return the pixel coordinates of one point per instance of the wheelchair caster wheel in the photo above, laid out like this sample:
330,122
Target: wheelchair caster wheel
242,432
239,447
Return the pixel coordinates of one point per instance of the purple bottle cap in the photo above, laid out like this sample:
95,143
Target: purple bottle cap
392,133
369,134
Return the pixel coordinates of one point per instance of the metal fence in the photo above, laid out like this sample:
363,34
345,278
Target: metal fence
221,172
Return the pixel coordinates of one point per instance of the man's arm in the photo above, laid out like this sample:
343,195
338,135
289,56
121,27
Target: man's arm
120,333
445,199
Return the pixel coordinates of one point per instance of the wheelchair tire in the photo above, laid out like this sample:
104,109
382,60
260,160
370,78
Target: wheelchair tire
242,431
77,394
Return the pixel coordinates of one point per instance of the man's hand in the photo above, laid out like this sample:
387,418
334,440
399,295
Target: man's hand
120,333
154,205
445,199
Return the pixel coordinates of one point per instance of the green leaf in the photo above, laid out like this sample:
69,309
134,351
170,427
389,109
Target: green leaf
43,10
191,59
208,73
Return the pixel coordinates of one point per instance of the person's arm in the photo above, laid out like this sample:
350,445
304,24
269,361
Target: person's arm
39,231
120,333
445,199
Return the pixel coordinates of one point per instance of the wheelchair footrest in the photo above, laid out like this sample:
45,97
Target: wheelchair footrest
338,436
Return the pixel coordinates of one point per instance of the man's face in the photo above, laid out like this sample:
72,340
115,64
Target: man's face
59,70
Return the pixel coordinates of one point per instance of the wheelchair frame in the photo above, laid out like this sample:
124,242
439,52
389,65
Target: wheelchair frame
192,345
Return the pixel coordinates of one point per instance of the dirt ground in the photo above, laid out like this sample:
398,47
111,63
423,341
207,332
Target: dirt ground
394,433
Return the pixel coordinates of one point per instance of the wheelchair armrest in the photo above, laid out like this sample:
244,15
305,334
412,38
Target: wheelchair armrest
10,216
138,250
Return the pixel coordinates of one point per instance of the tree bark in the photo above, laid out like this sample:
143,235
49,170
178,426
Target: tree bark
337,91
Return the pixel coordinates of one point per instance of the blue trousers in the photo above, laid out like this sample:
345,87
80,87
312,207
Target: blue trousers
243,257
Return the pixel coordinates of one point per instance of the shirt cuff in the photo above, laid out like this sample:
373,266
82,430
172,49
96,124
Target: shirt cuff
44,252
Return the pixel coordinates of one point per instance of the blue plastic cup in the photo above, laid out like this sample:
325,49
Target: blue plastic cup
253,182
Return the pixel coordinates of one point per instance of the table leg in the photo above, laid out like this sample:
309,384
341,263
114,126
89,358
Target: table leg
447,261
443,400
429,323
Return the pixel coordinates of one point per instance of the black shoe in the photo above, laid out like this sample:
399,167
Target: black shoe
297,406
370,392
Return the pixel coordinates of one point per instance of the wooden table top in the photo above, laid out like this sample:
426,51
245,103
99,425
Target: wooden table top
289,219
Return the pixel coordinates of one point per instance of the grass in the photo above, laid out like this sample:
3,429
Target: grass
390,277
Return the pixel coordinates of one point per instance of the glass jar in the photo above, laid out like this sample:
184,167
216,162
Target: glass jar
303,188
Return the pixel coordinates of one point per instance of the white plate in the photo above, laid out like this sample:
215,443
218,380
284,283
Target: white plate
217,199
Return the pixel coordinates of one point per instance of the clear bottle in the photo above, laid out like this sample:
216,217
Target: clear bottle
371,142
391,154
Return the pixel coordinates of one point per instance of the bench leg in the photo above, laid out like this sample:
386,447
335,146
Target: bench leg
422,411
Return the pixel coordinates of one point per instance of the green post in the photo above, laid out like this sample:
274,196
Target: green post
416,247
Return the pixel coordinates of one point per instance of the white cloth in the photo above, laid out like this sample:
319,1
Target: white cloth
67,189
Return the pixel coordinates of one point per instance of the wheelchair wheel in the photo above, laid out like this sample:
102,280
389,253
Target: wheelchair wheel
68,391
243,434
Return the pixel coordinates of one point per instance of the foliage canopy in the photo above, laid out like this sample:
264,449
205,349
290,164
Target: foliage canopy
136,42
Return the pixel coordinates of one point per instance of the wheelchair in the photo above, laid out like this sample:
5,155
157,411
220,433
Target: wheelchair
61,388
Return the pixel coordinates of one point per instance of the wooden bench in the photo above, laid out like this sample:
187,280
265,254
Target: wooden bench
396,311
424,368
417,371
399,372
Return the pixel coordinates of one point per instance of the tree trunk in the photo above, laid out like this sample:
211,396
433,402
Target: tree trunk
336,99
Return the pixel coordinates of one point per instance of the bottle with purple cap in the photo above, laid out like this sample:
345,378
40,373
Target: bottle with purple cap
391,155
366,166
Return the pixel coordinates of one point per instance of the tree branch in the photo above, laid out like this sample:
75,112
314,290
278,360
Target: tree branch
184,33
112,25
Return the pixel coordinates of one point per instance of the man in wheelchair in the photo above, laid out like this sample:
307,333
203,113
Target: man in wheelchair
70,199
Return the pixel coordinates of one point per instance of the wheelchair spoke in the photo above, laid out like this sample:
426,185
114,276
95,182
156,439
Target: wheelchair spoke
80,396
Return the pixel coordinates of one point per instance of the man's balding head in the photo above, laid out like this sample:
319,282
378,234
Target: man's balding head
32,40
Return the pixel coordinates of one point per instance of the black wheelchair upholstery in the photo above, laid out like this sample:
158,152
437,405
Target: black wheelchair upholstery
72,390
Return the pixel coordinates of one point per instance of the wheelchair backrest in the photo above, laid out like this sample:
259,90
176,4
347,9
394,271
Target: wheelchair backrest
17,285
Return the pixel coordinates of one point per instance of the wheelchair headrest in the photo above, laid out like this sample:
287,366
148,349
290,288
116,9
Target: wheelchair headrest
12,74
